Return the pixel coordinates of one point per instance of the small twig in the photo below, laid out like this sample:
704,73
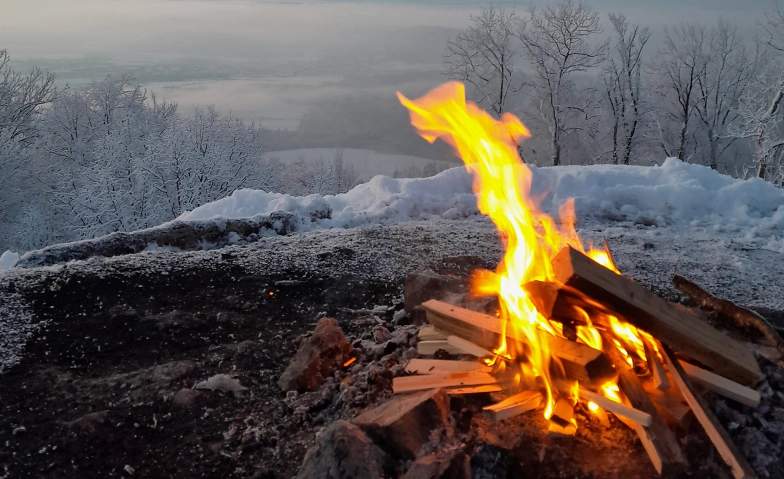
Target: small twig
740,316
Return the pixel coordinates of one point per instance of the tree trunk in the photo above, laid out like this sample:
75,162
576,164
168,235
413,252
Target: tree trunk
556,147
762,167
627,151
682,141
714,161
615,142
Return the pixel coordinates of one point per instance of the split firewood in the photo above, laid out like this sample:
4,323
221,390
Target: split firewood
657,438
679,328
658,375
440,366
740,316
722,386
427,348
514,406
488,388
671,405
580,361
469,347
629,413
429,381
562,421
717,434
429,333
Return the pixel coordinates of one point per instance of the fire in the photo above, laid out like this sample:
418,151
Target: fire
502,183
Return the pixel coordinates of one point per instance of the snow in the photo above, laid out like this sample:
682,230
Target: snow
8,259
675,193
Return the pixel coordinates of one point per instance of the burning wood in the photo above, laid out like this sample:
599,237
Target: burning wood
655,366
580,361
443,380
514,406
562,420
439,366
674,326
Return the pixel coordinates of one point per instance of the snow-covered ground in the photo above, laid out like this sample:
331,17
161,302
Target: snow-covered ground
367,163
672,194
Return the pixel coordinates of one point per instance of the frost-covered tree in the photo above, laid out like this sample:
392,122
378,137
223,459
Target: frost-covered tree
559,41
623,86
483,57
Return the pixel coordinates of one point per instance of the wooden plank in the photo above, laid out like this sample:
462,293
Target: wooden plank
717,434
580,361
430,381
428,332
441,366
634,415
430,347
514,406
658,374
676,327
671,405
469,347
659,441
721,385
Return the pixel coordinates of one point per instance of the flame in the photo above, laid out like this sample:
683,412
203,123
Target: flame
502,184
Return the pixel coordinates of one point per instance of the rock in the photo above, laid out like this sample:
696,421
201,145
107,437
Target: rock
404,423
381,334
317,358
343,451
221,382
425,285
185,397
454,464
89,423
401,317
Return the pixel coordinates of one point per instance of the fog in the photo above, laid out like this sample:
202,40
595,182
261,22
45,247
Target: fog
277,63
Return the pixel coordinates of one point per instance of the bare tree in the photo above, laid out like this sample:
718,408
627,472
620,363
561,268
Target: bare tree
483,56
681,62
557,39
623,85
21,98
728,71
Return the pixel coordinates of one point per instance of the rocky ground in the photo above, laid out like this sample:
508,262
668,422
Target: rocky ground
105,361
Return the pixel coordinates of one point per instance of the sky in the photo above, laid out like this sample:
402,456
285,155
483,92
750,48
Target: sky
274,61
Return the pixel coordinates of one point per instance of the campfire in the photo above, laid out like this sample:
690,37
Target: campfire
567,326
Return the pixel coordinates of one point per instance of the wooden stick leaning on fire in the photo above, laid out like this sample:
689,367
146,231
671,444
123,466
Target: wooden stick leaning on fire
584,284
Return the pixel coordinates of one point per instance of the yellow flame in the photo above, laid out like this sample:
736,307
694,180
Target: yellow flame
502,183
592,406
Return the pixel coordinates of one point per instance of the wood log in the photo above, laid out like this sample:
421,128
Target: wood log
562,421
580,361
658,440
440,366
721,385
678,328
740,316
514,406
430,381
658,375
717,434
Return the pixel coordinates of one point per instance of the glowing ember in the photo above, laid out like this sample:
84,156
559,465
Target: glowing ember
502,183
349,362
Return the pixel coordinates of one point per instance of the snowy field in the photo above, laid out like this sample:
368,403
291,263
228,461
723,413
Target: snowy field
367,163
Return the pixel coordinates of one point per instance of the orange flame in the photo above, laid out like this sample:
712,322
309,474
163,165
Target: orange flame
502,184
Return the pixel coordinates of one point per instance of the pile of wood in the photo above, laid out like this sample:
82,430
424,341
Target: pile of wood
686,358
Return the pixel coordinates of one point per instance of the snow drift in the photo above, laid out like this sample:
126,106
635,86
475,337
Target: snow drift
672,193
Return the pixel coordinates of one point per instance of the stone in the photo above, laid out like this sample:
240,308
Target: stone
317,358
185,397
221,382
89,423
454,464
343,451
425,285
403,424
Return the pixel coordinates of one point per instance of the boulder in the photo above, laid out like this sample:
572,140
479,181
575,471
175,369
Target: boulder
454,464
317,358
343,451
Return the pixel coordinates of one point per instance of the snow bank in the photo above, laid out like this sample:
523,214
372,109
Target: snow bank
8,259
672,193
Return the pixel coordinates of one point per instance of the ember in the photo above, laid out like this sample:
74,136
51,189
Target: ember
571,327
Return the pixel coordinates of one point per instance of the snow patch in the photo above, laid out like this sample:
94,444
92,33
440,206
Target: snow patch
8,259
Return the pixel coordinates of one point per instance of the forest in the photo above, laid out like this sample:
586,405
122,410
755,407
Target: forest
78,163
